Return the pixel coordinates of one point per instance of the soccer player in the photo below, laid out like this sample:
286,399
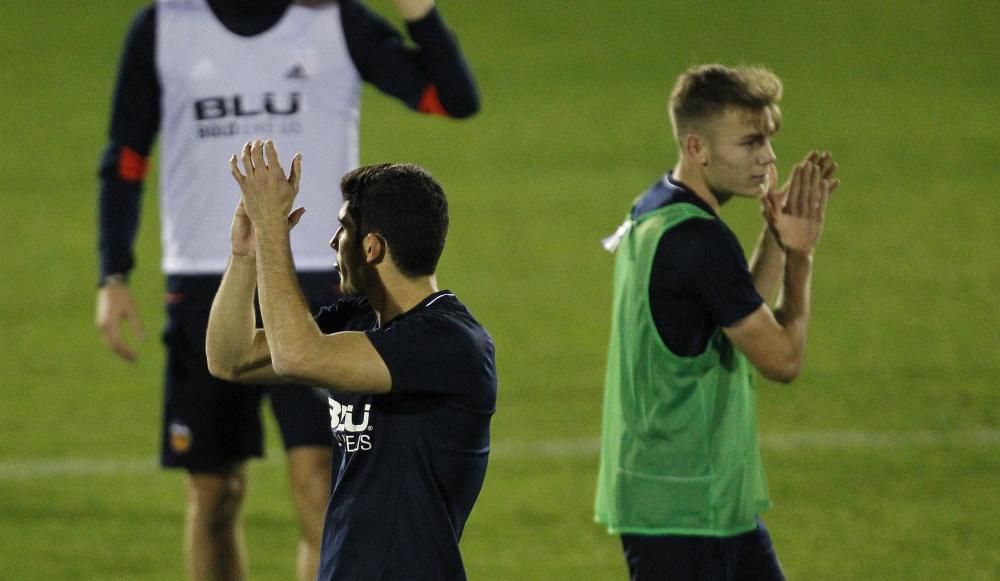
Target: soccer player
185,75
410,373
680,476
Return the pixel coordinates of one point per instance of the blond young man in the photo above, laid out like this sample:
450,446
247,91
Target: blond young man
681,478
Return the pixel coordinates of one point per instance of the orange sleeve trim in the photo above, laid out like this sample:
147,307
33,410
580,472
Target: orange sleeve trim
429,103
132,166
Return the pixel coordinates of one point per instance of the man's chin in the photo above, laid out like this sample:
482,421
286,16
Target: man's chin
752,191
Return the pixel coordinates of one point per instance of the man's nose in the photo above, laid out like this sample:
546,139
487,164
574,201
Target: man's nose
768,154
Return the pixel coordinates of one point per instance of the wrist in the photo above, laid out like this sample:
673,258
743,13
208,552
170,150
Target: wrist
269,225
795,257
114,279
248,259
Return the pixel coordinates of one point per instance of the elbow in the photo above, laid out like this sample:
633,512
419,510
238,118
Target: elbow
222,367
465,109
453,103
785,371
220,370
289,366
462,105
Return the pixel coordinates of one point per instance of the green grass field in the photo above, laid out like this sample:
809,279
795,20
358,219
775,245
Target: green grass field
883,458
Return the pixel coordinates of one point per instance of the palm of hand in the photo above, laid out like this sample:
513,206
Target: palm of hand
242,236
796,213
267,192
798,233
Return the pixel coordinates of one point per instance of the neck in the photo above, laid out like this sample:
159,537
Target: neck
396,294
248,17
690,174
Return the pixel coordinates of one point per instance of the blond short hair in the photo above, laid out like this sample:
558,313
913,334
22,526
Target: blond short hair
704,92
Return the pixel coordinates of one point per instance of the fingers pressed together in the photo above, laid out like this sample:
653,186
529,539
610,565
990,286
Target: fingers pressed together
261,157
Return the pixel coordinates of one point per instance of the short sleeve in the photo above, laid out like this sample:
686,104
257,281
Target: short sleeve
709,260
432,352
347,314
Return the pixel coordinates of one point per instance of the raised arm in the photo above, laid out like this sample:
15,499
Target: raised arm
767,263
135,116
775,342
299,351
432,78
235,348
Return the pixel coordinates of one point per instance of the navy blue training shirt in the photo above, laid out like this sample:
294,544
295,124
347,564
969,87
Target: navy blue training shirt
409,464
700,280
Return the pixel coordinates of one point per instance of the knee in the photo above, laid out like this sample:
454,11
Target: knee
309,474
215,499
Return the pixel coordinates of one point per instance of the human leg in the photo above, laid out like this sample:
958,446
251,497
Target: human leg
214,548
309,480
303,418
758,560
210,429
675,557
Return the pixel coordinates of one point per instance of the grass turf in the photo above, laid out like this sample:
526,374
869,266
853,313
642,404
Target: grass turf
903,339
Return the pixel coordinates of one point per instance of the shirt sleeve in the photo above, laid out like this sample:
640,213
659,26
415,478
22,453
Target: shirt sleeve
135,119
710,263
432,353
432,77
341,315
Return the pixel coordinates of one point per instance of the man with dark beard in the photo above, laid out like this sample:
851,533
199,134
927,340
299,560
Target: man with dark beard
411,373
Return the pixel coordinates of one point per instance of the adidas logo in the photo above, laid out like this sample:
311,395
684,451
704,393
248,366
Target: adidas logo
296,72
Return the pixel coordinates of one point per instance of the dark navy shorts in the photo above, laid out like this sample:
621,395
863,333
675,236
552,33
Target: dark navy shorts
748,556
210,424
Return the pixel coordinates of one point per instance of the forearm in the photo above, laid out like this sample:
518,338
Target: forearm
135,119
118,211
767,266
450,82
793,314
288,324
229,344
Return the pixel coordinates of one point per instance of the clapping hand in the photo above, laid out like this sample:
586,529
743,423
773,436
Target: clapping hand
268,194
796,212
266,190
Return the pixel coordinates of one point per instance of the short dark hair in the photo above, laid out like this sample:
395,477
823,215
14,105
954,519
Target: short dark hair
705,91
405,205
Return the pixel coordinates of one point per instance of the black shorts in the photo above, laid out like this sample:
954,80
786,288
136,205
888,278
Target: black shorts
748,556
210,424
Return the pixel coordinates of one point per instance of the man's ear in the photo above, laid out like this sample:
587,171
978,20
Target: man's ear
695,148
374,247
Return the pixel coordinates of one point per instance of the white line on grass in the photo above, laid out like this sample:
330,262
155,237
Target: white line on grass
29,469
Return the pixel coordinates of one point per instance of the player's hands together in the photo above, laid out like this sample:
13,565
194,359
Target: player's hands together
796,213
828,169
242,235
115,307
267,193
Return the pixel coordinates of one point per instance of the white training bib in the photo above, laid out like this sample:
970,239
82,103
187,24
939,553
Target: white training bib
294,83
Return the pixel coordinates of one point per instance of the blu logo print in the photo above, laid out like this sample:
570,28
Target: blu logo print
241,106
350,433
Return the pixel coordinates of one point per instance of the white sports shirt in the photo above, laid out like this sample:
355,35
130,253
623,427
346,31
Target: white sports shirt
298,87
